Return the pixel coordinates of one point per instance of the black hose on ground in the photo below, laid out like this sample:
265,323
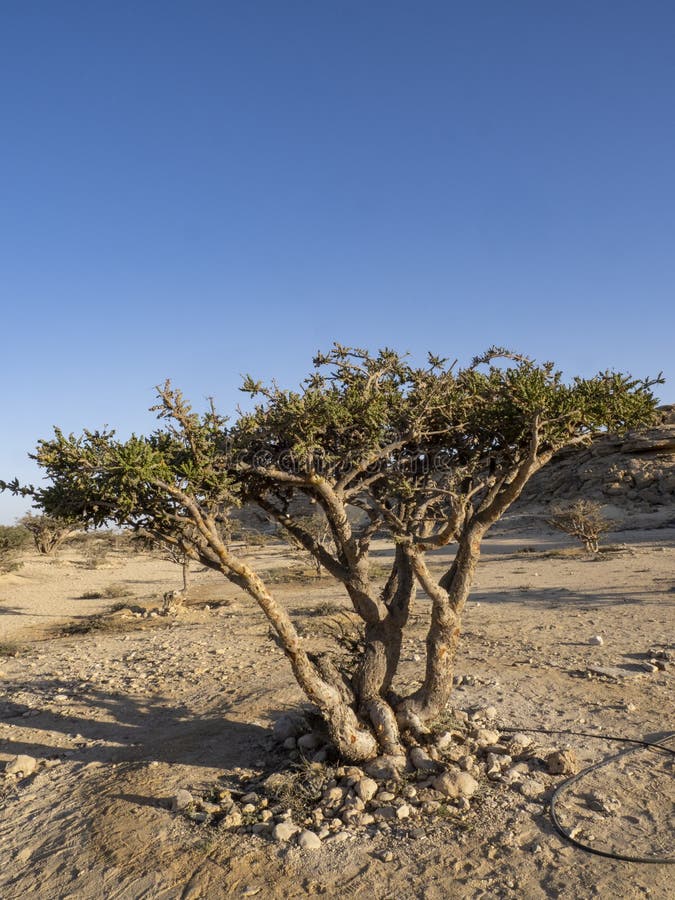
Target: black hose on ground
653,745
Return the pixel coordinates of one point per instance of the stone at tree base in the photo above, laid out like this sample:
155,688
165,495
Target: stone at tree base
366,789
288,726
308,742
444,740
455,784
284,831
386,768
21,765
181,800
421,760
307,840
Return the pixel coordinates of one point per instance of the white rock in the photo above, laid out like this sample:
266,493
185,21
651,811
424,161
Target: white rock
365,789
456,784
403,811
21,765
421,760
309,841
181,801
284,831
308,742
597,640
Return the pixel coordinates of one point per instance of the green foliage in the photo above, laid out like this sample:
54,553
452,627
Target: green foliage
421,451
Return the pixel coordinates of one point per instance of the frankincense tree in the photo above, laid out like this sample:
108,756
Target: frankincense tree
429,456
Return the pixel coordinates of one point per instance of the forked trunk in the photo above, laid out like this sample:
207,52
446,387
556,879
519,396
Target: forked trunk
448,598
374,678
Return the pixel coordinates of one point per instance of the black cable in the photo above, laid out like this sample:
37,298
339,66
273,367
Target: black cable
657,745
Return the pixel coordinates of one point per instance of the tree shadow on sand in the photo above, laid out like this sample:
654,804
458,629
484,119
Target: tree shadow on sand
131,729
553,598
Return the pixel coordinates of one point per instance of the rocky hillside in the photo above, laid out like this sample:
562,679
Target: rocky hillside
633,474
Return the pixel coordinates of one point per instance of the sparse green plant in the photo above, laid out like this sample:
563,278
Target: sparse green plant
583,520
111,592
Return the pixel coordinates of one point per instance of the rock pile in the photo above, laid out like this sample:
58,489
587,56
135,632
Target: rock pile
311,803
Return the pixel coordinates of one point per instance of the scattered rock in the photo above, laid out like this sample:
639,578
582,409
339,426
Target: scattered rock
562,762
181,801
309,841
421,760
284,831
21,765
455,784
531,788
365,789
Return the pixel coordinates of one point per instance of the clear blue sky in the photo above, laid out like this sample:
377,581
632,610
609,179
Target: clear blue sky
203,189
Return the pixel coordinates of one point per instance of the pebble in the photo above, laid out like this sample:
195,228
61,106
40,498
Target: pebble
21,765
421,760
456,784
307,840
597,640
284,831
181,801
365,789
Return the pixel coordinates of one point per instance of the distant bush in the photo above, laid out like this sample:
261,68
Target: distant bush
583,520
13,539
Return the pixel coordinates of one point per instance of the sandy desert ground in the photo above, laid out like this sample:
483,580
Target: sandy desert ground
121,712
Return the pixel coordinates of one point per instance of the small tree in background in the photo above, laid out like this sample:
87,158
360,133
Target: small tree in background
318,527
583,520
433,455
49,532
